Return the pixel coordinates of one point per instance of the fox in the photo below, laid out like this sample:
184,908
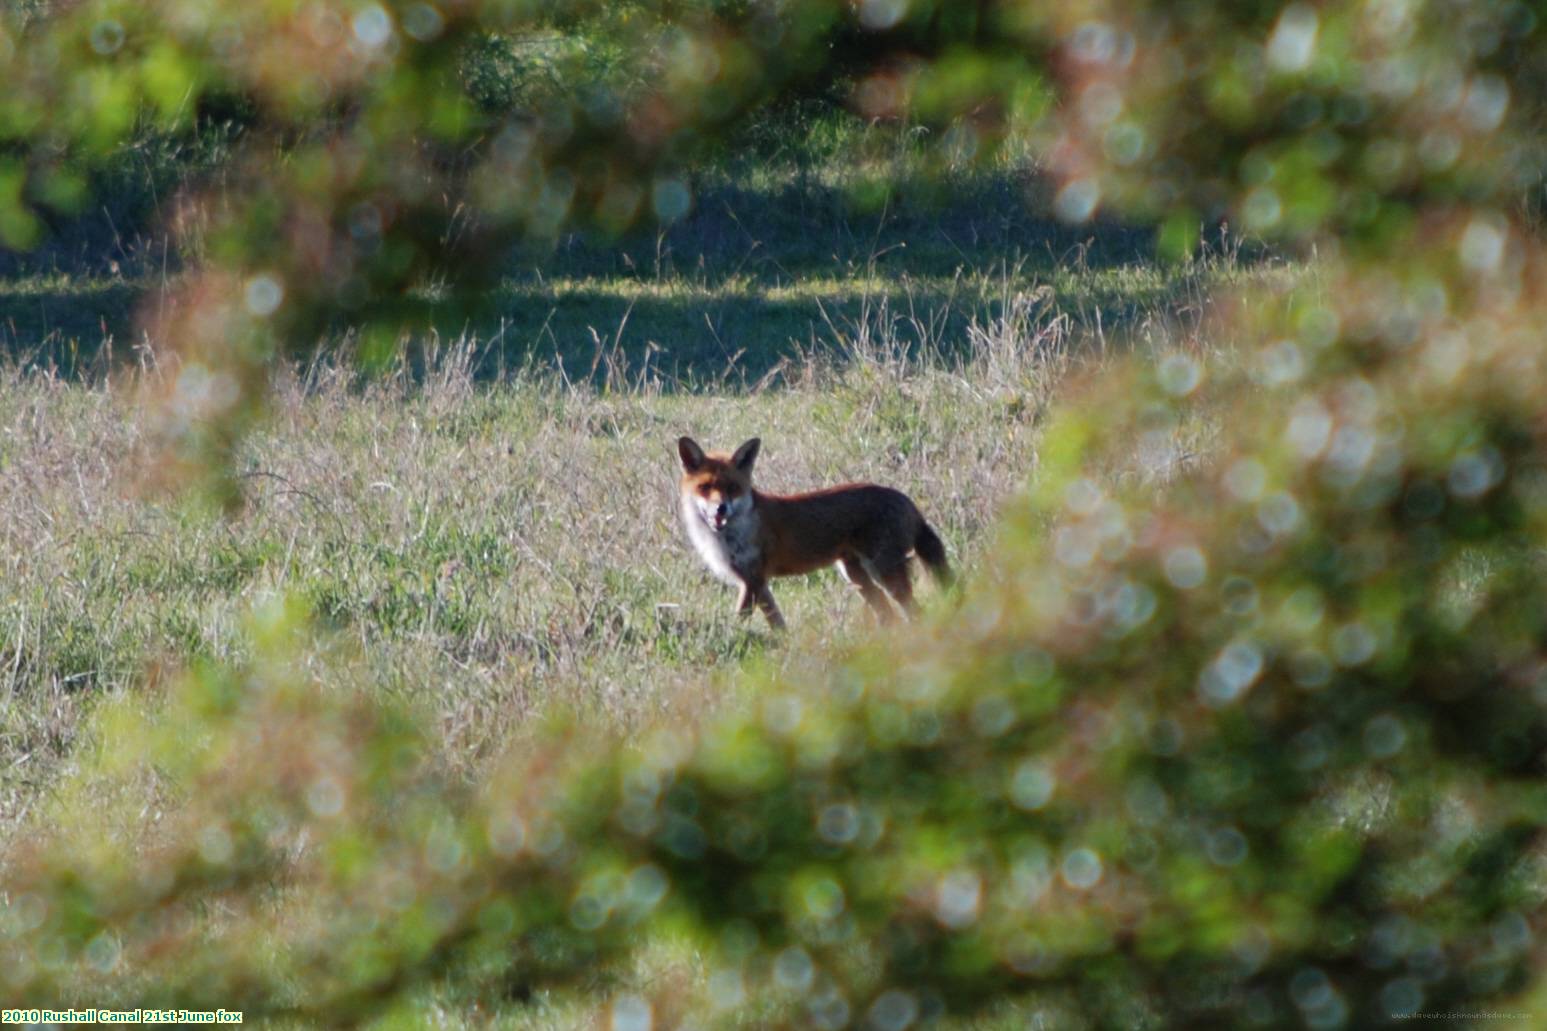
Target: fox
746,537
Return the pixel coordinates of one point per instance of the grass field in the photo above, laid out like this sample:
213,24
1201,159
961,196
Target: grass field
488,530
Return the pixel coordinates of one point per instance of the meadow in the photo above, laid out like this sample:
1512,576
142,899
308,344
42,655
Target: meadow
488,523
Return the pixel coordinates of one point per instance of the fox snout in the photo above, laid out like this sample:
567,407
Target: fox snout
716,511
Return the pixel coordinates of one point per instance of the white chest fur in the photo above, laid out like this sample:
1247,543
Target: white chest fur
728,552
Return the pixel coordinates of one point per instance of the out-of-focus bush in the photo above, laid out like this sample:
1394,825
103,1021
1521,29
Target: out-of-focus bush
1260,744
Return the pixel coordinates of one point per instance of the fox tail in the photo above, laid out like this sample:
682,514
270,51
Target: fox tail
928,547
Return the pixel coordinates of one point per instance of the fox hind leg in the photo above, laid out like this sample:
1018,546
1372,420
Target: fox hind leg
899,584
854,571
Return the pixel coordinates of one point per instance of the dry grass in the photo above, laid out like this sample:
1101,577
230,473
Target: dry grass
487,551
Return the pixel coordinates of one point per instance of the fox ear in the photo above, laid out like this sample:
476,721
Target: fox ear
691,454
746,454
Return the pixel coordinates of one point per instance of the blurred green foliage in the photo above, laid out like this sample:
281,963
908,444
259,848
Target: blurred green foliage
1262,745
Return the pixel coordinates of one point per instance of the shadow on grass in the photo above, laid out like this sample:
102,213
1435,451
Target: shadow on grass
72,326
795,231
695,338
722,297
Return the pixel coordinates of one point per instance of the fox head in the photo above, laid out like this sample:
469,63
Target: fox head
717,486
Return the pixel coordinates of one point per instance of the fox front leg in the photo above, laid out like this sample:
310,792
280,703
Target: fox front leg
765,601
755,594
746,599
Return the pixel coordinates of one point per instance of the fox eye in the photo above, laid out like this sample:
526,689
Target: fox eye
705,490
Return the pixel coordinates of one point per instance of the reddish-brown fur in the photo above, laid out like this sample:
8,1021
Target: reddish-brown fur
747,537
